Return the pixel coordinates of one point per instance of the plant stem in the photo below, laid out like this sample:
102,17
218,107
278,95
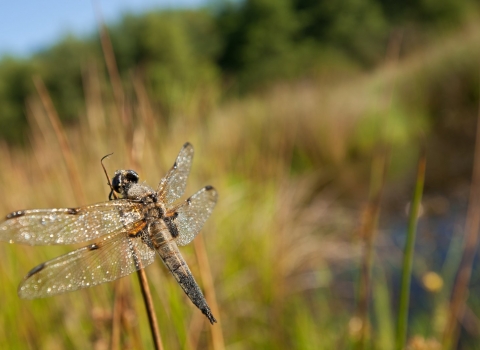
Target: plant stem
408,254
73,175
367,232
218,342
472,224
152,319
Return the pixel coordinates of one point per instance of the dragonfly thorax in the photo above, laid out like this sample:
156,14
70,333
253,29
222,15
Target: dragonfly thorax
140,192
125,183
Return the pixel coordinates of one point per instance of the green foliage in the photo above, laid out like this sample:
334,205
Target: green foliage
174,50
426,12
61,67
260,44
281,241
355,26
397,128
202,55
15,85
280,160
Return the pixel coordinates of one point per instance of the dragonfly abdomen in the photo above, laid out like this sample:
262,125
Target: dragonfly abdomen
178,267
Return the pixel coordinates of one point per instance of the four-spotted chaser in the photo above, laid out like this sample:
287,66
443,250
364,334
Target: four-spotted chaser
125,234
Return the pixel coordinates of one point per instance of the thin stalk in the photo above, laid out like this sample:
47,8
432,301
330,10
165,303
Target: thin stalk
371,212
207,279
472,225
408,254
115,80
195,328
65,148
152,319
368,233
116,317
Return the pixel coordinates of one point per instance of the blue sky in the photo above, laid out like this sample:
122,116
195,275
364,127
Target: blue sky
29,25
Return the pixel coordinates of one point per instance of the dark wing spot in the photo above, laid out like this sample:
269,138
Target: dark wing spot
189,201
35,270
16,214
93,246
175,165
208,188
186,144
73,211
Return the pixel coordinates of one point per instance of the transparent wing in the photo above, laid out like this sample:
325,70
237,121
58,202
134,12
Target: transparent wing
72,225
173,184
191,215
115,256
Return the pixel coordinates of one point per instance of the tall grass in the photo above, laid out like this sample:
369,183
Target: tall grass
408,254
261,243
277,255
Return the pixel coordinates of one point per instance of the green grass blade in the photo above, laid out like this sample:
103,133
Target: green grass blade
408,254
368,233
385,326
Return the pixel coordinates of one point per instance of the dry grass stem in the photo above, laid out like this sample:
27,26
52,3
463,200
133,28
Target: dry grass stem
472,226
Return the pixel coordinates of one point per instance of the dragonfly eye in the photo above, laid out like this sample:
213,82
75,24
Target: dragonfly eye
116,181
122,178
131,176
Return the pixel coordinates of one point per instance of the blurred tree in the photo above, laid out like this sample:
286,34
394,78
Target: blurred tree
175,50
15,85
61,69
356,26
268,39
259,39
182,54
426,12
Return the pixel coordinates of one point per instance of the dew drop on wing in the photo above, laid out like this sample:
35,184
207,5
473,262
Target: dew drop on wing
93,246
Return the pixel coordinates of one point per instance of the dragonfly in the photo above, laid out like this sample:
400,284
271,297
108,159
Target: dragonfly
124,234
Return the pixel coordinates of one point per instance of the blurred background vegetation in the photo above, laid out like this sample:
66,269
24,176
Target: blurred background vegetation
294,108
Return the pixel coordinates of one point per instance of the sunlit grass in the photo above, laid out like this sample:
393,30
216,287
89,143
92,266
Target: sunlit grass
290,165
262,240
409,253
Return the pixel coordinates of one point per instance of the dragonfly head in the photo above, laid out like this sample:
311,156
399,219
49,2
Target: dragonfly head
122,180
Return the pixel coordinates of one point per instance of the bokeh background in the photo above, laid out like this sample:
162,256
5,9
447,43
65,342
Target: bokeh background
309,117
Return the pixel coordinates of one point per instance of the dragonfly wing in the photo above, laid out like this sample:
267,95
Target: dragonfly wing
174,183
69,225
190,217
113,256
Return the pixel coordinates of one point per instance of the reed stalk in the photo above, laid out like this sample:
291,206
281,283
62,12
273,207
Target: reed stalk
408,254
472,225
